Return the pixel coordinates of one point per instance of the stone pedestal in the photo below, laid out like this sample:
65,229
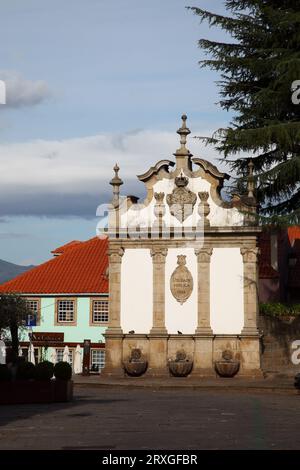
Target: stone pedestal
250,356
203,355
158,347
113,354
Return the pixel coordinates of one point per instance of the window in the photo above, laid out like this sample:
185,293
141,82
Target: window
97,359
60,356
37,355
100,311
66,311
34,307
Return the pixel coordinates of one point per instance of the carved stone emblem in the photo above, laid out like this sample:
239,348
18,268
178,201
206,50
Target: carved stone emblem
181,201
181,282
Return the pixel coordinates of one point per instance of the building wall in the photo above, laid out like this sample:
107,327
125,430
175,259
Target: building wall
77,333
74,334
181,317
137,291
226,291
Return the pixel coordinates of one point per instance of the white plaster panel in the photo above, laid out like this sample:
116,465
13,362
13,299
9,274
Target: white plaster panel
181,317
136,290
143,216
226,291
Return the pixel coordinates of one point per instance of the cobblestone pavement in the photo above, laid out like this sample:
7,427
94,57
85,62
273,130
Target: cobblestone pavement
111,418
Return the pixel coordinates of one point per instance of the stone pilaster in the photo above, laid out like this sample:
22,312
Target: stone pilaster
250,290
158,337
250,341
203,352
114,333
159,263
203,324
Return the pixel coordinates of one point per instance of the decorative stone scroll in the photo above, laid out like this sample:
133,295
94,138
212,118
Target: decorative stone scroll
181,201
181,282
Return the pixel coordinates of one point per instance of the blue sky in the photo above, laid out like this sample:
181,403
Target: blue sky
90,82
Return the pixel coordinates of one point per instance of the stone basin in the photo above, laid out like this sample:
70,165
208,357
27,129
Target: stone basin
135,369
227,368
180,368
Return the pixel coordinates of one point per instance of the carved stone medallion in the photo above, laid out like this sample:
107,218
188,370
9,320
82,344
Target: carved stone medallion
181,282
181,201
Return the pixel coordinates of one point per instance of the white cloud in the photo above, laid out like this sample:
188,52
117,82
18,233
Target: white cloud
51,173
23,92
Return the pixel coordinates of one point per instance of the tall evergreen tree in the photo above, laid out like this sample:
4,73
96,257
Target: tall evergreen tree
257,70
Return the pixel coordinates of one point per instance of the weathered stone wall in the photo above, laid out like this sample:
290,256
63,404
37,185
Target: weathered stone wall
276,347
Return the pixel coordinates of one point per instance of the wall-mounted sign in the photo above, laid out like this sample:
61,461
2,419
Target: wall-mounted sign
181,282
39,337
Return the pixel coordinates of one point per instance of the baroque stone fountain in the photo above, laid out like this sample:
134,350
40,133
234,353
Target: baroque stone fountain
136,364
228,366
181,366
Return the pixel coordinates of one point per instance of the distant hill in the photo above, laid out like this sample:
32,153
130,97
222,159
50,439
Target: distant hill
10,270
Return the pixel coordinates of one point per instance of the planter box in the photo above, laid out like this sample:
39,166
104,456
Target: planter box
34,391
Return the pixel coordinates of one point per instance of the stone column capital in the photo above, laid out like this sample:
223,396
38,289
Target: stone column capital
158,254
250,254
203,254
115,255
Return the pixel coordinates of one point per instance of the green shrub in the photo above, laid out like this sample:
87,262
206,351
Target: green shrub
277,309
26,371
63,371
5,374
44,370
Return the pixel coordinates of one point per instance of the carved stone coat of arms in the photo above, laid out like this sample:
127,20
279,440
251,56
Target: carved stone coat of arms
181,201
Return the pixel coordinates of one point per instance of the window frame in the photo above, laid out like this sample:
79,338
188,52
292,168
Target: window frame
38,317
71,352
65,323
98,323
91,355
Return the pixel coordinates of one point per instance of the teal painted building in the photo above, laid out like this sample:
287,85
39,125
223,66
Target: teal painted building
69,303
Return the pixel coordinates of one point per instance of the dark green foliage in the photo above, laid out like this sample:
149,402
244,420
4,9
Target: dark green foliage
5,374
26,371
44,370
63,371
13,315
277,309
257,71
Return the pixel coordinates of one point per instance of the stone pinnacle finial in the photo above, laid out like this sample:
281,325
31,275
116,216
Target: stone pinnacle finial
116,182
250,179
183,155
183,131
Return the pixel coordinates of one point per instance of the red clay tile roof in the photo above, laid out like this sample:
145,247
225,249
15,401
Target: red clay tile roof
79,270
67,246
